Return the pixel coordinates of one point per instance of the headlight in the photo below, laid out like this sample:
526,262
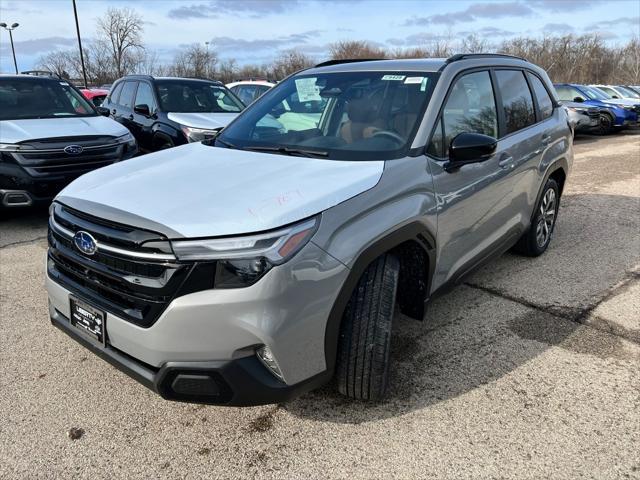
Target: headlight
199,134
242,260
5,148
129,139
579,110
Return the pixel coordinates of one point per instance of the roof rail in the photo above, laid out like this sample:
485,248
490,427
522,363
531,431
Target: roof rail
41,73
138,75
346,60
462,56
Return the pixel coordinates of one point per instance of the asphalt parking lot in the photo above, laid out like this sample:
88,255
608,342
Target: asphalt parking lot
531,369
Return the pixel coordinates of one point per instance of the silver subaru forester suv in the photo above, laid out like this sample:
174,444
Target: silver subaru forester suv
251,268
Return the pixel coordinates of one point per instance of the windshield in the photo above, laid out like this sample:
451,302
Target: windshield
609,92
24,98
346,115
627,92
193,96
594,94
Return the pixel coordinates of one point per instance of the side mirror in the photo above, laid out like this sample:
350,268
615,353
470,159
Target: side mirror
104,111
142,109
466,148
578,99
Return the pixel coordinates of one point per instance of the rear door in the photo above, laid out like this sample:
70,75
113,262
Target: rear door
475,213
124,108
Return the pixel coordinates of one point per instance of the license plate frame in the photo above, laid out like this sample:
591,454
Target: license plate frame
88,320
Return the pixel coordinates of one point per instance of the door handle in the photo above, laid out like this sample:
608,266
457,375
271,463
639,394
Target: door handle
506,162
546,140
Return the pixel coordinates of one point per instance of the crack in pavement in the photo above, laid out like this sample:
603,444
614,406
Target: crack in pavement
23,242
573,314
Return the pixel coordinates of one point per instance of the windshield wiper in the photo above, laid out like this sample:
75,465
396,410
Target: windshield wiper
289,151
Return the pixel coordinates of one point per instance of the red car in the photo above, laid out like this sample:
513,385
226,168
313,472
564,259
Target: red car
95,95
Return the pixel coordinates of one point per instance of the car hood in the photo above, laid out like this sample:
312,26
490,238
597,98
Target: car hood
207,120
16,131
200,191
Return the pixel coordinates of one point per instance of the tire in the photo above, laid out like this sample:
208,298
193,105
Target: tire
605,127
365,336
536,240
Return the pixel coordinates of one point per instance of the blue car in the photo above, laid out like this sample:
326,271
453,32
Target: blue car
613,116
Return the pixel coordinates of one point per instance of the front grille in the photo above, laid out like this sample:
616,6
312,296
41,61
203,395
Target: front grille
47,158
136,289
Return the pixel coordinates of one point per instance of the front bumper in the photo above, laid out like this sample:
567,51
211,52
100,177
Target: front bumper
215,329
240,382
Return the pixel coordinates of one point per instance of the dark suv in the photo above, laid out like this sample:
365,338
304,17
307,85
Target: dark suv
163,112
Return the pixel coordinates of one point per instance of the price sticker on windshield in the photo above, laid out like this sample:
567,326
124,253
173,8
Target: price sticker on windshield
307,90
397,78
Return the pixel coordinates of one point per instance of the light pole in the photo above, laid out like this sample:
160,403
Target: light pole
11,29
84,72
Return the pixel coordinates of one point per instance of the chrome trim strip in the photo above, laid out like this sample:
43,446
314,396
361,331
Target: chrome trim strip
61,150
111,249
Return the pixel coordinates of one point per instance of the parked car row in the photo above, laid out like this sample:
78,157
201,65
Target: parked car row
53,132
614,111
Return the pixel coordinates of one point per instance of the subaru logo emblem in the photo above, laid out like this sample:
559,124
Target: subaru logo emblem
73,149
85,242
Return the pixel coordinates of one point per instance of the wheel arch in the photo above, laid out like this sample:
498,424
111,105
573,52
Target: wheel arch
558,170
412,243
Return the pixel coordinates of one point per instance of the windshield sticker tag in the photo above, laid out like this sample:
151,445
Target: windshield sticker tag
393,77
307,90
423,85
414,80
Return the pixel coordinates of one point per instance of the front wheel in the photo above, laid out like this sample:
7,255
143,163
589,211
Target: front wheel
536,241
365,336
605,126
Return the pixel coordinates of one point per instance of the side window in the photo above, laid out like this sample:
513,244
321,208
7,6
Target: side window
471,107
126,97
144,96
516,100
545,104
568,94
114,96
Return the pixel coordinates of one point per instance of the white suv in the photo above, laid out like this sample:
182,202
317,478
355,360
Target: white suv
50,135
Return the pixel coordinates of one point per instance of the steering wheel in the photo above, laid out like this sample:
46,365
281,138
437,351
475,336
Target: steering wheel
390,134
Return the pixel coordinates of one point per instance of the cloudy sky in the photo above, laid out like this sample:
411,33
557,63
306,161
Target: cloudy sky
255,30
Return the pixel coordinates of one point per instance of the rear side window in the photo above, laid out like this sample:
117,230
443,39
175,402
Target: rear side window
114,96
517,102
545,104
126,97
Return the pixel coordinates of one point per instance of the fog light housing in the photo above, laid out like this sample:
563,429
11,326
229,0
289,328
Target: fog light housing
267,358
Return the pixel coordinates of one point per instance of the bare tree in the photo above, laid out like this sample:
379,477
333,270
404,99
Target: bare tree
346,49
288,62
122,29
58,62
194,61
227,70
474,44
